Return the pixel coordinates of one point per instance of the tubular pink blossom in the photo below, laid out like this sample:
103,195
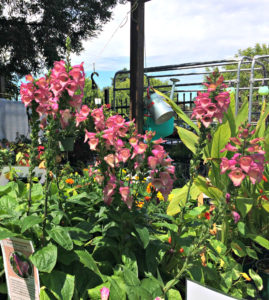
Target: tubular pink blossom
237,176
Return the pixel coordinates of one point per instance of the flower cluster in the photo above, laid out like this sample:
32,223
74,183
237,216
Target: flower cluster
60,92
119,147
248,160
213,103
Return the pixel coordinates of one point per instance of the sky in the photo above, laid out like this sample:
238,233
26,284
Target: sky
178,31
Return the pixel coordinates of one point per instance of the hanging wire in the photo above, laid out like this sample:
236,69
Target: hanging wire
121,25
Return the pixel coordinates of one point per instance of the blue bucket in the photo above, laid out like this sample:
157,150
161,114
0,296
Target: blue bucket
162,130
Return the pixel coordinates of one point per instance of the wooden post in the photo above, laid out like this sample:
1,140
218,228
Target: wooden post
137,63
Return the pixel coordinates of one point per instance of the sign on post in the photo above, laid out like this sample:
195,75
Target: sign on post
21,275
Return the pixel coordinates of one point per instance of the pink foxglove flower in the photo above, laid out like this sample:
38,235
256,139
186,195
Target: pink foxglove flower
104,293
235,216
237,176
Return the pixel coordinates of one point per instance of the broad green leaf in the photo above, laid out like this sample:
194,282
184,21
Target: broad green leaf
220,139
212,192
130,277
256,278
173,295
30,221
244,205
5,189
43,294
153,286
230,115
143,235
227,278
45,258
265,205
242,115
117,288
259,240
241,227
60,284
178,110
218,246
252,253
129,260
238,248
260,128
188,138
179,196
61,236
196,211
172,227
87,260
5,233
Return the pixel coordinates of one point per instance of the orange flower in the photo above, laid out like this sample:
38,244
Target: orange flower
264,178
214,230
181,250
203,259
69,181
169,240
147,198
150,186
140,204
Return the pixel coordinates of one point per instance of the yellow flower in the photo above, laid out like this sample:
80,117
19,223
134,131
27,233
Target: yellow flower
245,275
140,204
123,171
69,181
85,170
136,178
160,196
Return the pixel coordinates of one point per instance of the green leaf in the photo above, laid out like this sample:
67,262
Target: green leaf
241,227
130,277
212,192
129,260
178,110
196,211
153,286
5,189
43,294
260,128
61,236
5,233
256,278
179,197
260,240
60,284
45,258
87,260
188,138
252,253
173,295
238,248
242,115
30,221
143,235
117,288
220,139
244,205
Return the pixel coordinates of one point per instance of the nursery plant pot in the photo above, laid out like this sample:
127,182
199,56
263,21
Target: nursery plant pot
67,143
262,266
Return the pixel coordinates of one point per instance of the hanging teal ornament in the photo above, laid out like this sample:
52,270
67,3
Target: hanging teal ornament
263,90
231,90
162,130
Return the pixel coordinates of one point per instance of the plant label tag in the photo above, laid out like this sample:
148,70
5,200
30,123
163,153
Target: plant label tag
197,291
21,275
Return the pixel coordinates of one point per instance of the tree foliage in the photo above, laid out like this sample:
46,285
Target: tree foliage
33,32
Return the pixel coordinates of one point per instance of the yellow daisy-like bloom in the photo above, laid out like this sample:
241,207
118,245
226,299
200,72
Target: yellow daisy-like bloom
160,196
69,181
136,178
123,171
245,276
